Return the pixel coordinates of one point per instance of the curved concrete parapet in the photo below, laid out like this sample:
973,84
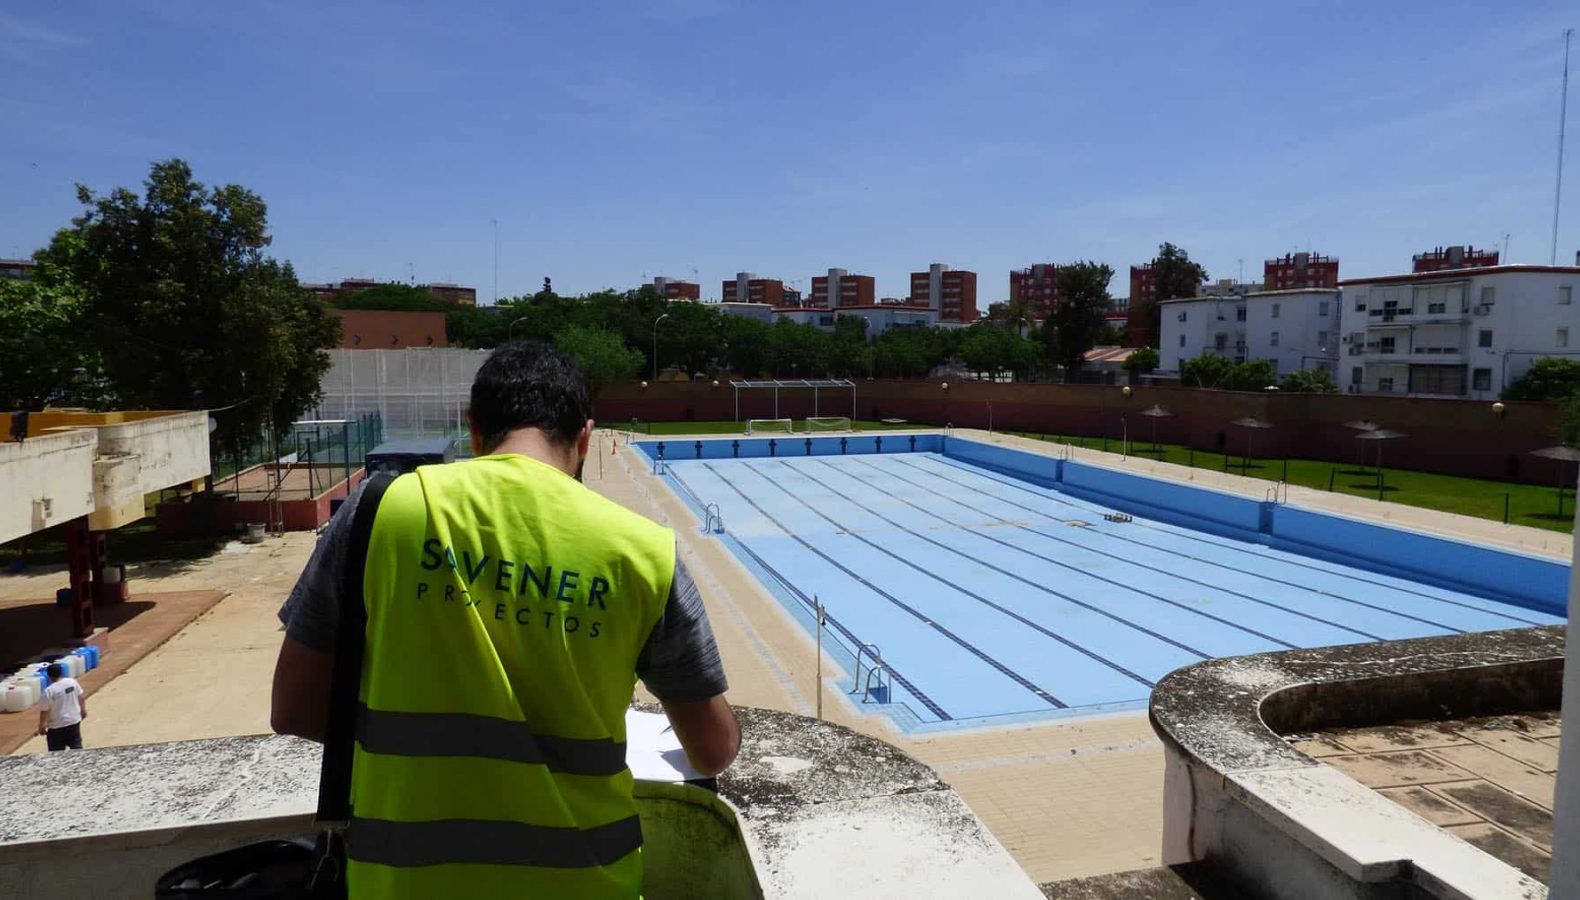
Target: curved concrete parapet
1237,795
810,810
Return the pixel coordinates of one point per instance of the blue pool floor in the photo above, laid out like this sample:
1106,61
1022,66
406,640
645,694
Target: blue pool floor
991,597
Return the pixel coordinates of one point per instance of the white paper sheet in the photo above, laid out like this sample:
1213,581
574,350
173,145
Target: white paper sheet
653,751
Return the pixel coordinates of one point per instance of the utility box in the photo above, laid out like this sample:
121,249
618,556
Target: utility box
400,456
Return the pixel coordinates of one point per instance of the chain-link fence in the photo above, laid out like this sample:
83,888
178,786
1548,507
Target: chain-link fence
311,457
415,392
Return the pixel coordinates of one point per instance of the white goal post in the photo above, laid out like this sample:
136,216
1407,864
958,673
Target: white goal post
773,426
827,423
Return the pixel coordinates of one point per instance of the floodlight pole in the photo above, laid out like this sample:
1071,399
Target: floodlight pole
655,345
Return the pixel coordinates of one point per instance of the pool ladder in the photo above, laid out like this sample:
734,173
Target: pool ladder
875,670
1278,493
712,519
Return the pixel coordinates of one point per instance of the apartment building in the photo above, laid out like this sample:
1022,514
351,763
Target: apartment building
449,293
950,293
746,287
1442,259
1291,329
879,317
17,269
1295,329
1194,326
1456,332
839,288
676,289
1038,285
1294,271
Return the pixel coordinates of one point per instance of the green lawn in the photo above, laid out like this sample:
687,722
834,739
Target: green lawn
1528,504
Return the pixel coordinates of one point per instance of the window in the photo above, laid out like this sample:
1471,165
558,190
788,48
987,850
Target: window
1275,310
1322,308
1360,303
1182,316
1385,385
1481,379
1562,338
1484,338
1274,340
1488,294
1356,375
1437,307
1566,295
1182,340
1322,340
1239,314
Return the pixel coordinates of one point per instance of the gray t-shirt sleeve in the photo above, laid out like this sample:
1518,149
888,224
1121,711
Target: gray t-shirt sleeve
312,611
680,662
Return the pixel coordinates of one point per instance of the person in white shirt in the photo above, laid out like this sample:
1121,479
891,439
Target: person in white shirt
61,710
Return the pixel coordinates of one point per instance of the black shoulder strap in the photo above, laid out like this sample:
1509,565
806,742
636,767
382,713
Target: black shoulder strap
334,779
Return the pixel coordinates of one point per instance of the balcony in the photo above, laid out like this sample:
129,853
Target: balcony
807,806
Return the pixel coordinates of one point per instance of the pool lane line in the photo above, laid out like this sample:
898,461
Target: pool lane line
1014,676
1020,578
1187,534
1090,654
1061,564
1141,565
850,636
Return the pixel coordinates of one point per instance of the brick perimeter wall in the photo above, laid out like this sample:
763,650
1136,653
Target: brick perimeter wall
1451,436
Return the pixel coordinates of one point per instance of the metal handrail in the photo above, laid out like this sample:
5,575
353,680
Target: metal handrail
876,668
712,517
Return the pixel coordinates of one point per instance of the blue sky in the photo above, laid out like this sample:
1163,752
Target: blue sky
617,140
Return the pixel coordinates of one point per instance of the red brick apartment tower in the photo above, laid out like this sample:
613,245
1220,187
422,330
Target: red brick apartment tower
1297,271
1441,259
845,289
1143,289
748,288
1038,285
675,289
951,293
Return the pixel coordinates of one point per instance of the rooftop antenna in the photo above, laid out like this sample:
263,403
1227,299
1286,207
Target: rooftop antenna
1505,257
1563,116
496,262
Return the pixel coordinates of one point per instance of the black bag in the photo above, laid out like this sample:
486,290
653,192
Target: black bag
301,869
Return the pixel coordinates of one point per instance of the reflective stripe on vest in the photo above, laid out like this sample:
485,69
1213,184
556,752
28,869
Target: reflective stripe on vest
507,606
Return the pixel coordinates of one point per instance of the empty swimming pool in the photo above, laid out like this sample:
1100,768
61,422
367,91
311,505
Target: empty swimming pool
993,597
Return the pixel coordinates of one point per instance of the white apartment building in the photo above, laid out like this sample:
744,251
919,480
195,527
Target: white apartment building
1462,333
1294,329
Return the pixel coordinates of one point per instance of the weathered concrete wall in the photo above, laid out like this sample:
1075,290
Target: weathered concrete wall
45,481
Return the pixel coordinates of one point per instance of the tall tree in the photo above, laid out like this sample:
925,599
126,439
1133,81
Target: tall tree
603,357
45,354
745,345
1077,323
187,310
993,350
850,354
1174,275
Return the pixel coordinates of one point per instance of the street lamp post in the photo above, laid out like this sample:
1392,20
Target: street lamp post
510,330
655,344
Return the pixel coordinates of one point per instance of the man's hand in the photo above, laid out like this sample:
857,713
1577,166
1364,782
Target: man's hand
708,732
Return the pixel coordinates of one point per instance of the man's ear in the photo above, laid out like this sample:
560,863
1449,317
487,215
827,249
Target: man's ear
477,439
584,439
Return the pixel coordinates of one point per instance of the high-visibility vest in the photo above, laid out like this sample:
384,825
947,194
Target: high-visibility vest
507,604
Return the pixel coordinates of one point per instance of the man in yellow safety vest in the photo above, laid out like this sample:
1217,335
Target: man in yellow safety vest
510,611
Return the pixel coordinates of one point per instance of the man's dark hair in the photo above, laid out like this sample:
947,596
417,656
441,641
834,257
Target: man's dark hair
56,671
527,384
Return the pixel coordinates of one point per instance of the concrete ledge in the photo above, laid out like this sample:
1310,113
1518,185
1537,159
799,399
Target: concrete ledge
1238,796
810,810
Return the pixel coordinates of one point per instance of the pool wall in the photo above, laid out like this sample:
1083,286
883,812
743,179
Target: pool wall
1521,579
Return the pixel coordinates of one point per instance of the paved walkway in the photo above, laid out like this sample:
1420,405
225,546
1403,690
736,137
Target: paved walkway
212,678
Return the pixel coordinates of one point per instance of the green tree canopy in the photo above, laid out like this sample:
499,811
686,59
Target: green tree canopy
1141,361
1174,275
849,353
1207,371
1308,381
1549,378
45,354
602,355
797,350
1077,323
185,307
990,349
